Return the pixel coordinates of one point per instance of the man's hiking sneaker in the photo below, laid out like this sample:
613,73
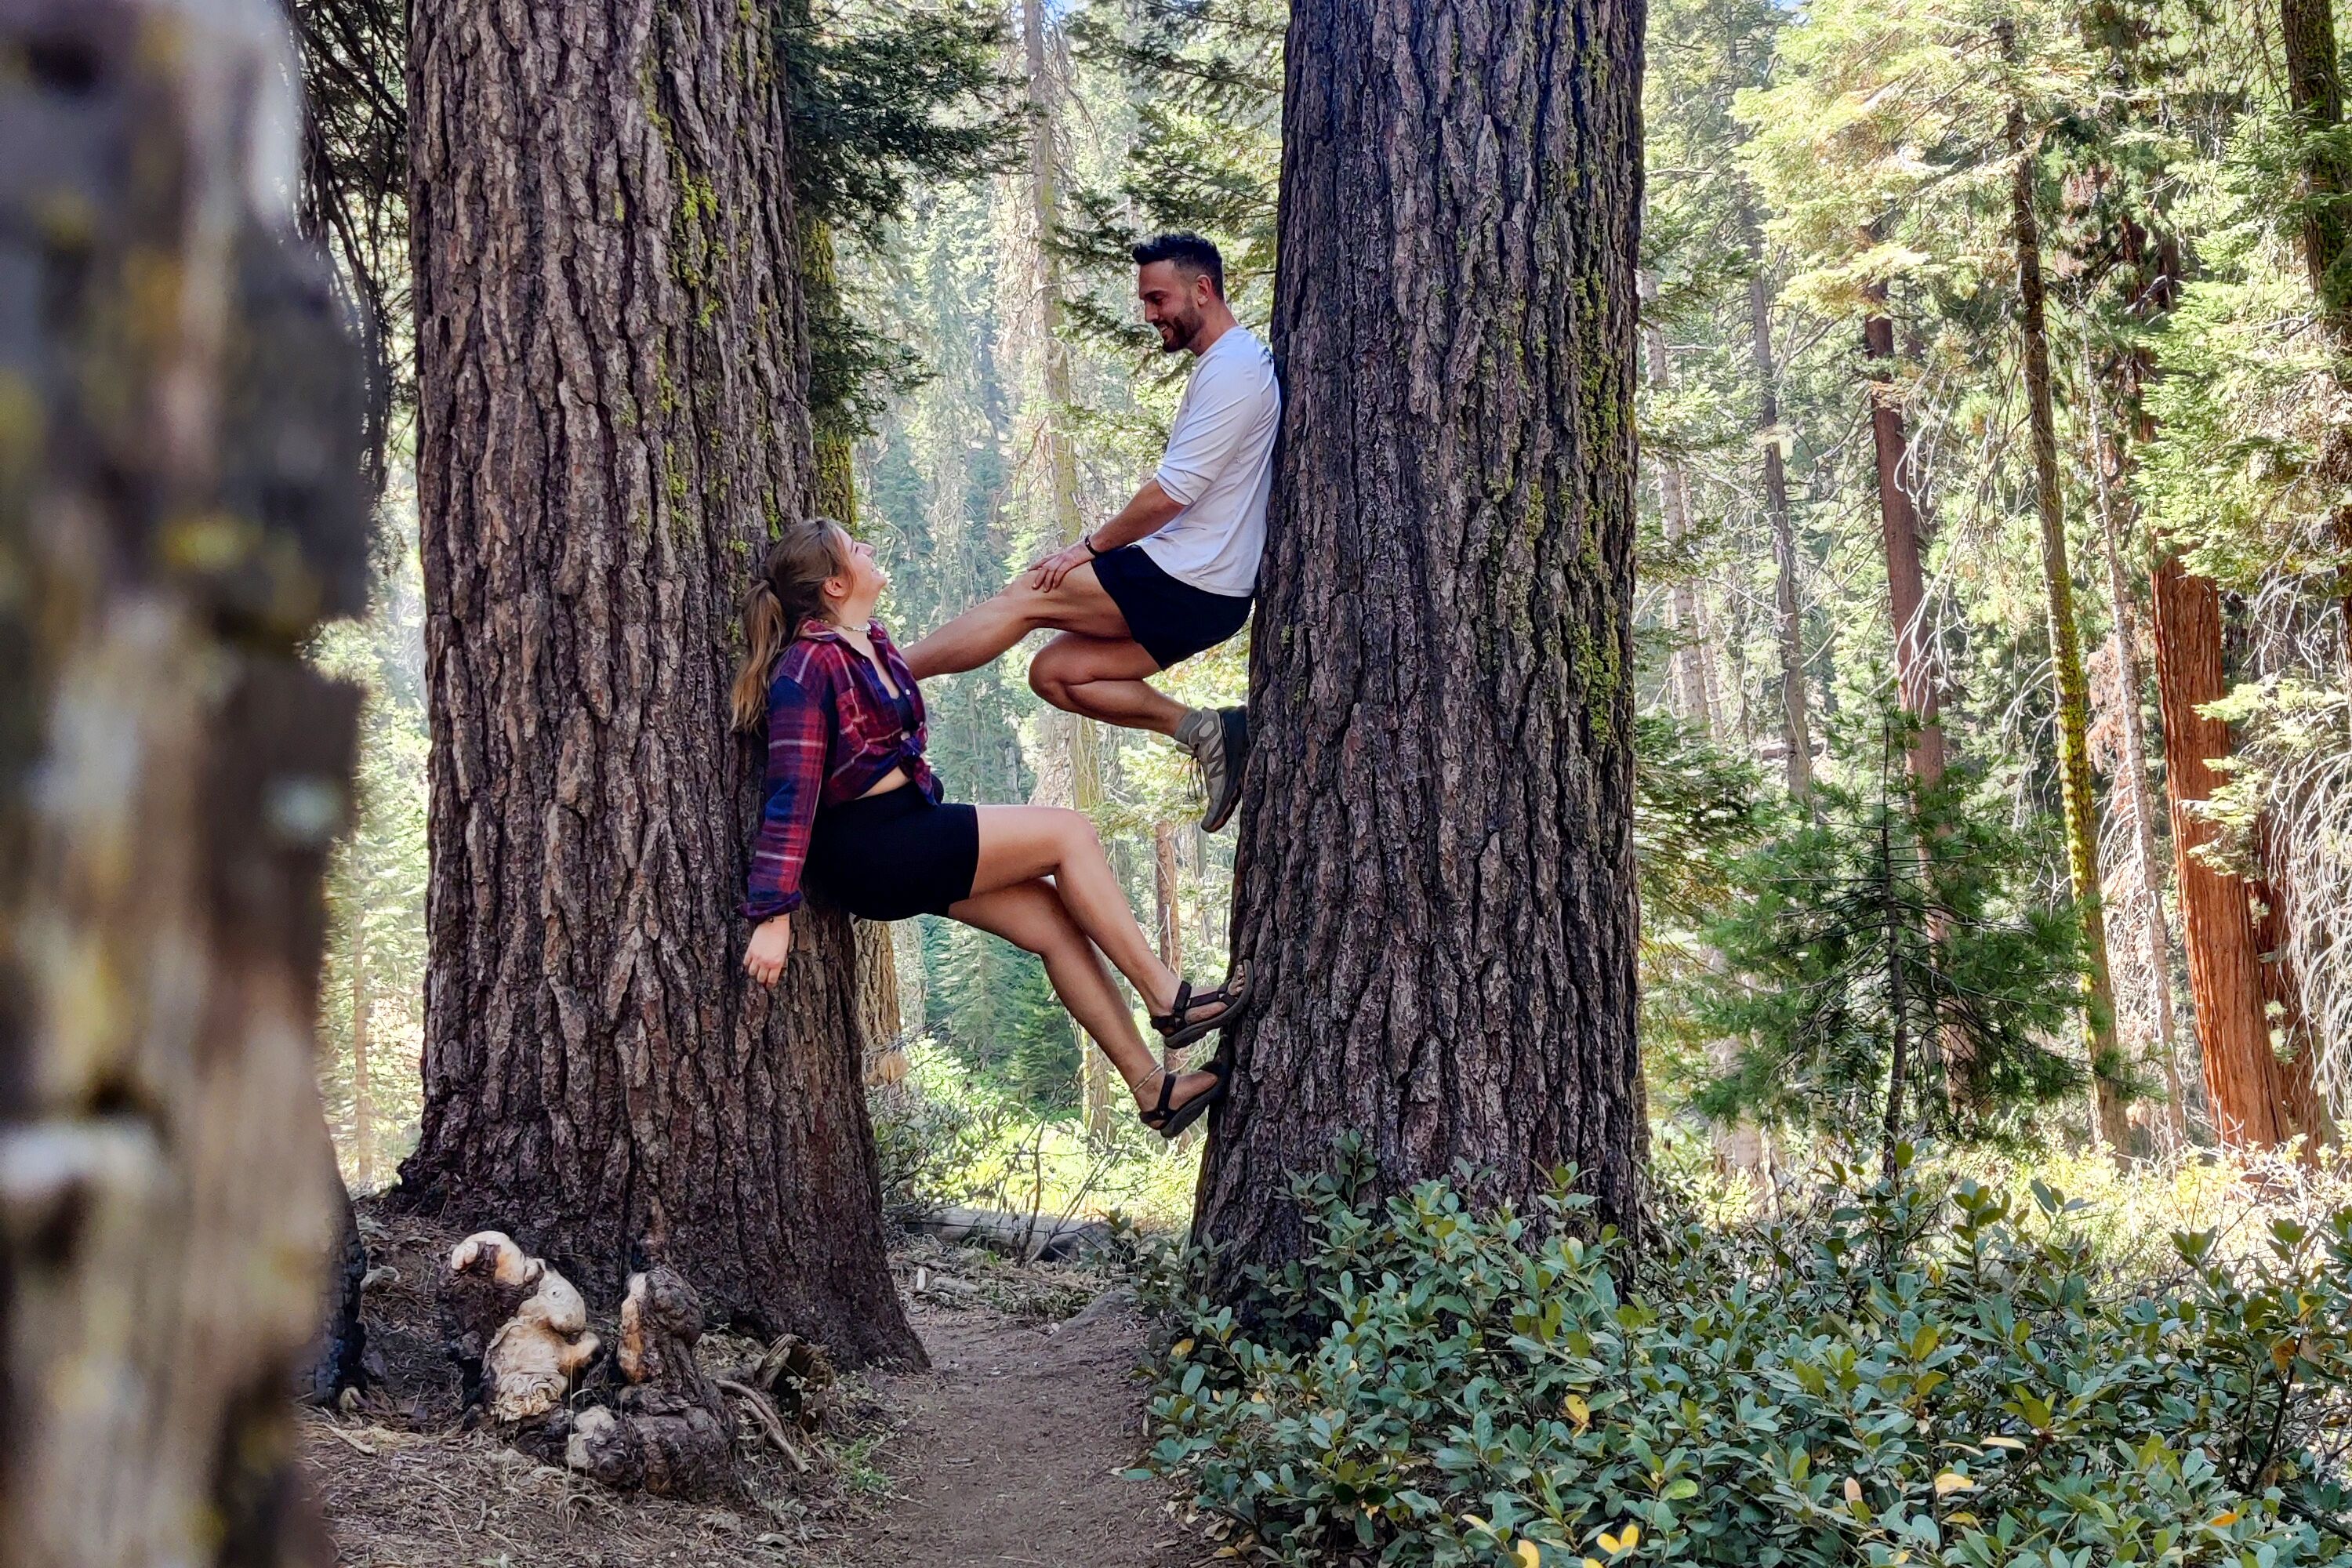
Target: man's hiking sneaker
1208,736
1201,736
1224,784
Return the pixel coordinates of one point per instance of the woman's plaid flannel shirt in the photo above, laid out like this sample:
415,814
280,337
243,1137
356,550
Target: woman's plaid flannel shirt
832,734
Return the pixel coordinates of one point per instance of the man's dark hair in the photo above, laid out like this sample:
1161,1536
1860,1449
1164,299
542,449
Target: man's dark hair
1190,252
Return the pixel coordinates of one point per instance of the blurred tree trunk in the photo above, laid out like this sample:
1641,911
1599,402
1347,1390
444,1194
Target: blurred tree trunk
613,416
2109,1124
181,504
1436,876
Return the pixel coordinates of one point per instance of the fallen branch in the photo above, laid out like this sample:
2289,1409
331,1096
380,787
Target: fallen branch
763,1411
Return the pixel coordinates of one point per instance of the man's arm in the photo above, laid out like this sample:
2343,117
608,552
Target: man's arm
1141,518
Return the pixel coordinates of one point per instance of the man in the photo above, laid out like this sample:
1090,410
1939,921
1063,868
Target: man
1174,571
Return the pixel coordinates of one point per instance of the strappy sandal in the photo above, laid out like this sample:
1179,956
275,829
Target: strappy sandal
1174,1031
1170,1121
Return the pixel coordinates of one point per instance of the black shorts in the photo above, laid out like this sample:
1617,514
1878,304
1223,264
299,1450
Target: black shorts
889,857
1172,619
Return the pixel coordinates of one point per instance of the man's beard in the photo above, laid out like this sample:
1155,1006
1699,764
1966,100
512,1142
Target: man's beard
1186,328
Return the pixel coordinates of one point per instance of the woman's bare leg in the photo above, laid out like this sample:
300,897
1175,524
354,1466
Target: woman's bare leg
1030,916
1021,843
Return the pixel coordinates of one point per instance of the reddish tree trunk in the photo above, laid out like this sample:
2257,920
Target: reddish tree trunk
2225,971
1898,519
613,412
1435,875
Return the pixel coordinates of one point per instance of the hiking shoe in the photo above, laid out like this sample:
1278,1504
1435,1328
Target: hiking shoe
1222,763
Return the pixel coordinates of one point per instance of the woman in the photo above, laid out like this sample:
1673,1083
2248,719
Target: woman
853,807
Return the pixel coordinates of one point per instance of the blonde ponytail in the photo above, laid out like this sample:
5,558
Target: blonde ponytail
789,594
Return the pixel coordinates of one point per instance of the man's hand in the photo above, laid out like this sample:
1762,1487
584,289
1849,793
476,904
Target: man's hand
1045,573
764,960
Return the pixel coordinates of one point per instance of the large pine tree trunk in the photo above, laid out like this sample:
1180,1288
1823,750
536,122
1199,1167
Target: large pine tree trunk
1435,874
180,505
2109,1124
613,412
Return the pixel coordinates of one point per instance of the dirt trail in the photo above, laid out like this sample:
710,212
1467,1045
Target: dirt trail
1012,1447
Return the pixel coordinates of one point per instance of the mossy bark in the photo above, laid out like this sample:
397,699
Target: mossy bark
2109,1124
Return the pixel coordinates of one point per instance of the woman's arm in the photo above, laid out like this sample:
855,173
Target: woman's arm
800,735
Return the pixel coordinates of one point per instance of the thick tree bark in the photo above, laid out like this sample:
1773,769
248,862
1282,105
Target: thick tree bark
181,504
1788,618
2109,1124
1435,875
612,414
1898,522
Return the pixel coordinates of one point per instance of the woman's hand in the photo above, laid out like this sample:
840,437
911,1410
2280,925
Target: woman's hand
771,943
1045,573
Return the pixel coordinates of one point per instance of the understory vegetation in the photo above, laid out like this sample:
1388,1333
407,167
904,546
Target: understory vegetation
1920,1368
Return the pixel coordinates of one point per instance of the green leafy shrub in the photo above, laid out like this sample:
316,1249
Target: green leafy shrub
1907,1371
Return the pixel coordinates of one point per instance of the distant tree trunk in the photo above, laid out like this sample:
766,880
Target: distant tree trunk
2134,792
1165,882
1692,699
1436,876
2109,1124
1788,616
1061,464
2315,83
834,495
363,1112
181,505
1899,520
613,416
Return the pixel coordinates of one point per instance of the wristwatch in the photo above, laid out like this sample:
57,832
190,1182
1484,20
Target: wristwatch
1088,540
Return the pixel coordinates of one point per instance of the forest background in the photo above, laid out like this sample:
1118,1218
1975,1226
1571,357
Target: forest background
1937,578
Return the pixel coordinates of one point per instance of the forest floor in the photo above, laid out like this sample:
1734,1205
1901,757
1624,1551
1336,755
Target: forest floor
1007,1451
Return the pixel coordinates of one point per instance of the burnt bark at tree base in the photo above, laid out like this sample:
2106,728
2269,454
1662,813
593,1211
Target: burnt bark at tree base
1434,878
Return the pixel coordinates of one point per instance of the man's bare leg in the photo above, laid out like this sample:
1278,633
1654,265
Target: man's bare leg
1102,678
982,633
